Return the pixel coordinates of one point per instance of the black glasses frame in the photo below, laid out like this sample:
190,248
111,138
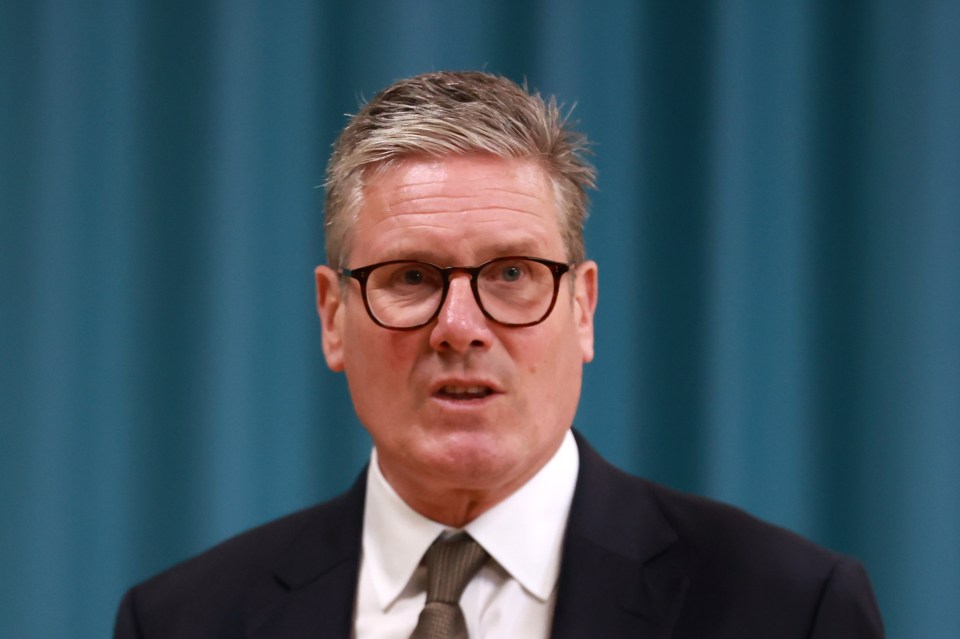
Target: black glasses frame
362,274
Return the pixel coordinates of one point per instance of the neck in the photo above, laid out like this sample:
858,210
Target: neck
449,503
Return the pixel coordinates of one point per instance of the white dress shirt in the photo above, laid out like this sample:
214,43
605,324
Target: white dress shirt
512,596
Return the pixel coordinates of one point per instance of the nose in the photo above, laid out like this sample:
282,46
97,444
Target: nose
460,325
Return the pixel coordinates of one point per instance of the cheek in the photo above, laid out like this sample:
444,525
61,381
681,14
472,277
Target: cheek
548,358
374,388
559,365
377,364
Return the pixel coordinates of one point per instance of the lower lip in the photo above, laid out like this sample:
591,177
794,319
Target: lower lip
464,404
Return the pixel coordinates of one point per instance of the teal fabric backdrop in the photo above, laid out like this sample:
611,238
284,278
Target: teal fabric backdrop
777,226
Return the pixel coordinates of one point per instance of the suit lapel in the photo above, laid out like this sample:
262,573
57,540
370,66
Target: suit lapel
620,573
316,577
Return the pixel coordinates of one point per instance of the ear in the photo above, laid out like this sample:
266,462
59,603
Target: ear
585,303
330,308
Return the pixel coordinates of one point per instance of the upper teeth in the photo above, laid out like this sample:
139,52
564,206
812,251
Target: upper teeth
460,390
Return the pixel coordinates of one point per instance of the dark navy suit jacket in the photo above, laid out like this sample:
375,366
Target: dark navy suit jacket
639,561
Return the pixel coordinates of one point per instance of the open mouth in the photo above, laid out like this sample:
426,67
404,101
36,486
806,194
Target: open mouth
463,393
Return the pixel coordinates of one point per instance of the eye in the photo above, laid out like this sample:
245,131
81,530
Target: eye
412,276
511,273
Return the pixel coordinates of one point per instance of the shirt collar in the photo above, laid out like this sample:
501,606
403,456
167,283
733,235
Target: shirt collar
523,533
395,536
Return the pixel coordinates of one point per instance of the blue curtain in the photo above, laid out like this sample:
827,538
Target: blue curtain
777,227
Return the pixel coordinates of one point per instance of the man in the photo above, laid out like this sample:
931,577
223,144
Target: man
459,303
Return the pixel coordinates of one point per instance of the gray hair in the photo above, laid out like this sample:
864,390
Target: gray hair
456,113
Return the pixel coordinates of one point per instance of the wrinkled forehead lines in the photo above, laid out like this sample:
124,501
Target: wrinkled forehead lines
449,176
440,187
528,170
419,171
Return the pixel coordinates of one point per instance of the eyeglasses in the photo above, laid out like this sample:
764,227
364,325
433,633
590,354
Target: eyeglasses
407,294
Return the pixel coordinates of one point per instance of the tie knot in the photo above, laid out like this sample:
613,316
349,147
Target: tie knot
451,564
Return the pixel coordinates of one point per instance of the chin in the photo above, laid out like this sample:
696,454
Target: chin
474,459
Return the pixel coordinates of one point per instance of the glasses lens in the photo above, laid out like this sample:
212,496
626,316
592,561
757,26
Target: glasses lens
516,290
404,294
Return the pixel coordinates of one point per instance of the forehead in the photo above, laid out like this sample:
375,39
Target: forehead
476,205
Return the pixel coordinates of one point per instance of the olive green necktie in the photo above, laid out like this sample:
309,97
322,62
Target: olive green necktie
451,564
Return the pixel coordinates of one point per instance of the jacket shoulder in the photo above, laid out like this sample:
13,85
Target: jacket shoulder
722,536
214,591
754,578
741,576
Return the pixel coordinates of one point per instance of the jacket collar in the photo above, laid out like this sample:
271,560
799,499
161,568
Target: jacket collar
619,576
315,578
620,573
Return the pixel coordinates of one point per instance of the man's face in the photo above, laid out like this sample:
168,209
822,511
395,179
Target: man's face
432,439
